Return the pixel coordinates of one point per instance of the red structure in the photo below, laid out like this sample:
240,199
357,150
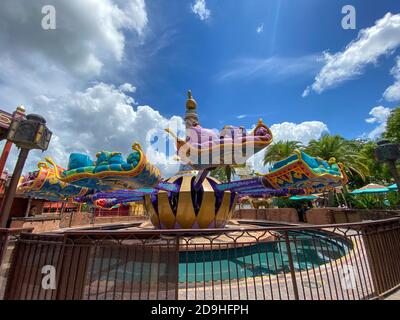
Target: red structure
5,122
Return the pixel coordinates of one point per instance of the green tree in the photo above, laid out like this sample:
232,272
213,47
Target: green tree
229,172
223,174
346,152
280,150
393,126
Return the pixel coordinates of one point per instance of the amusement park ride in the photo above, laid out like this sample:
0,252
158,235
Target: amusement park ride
187,200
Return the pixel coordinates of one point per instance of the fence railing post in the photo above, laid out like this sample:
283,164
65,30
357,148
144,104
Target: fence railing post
291,265
177,267
3,243
59,270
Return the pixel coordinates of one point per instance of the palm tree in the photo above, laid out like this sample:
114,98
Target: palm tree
229,172
224,174
346,152
280,150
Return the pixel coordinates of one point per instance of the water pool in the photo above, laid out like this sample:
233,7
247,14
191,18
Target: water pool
308,248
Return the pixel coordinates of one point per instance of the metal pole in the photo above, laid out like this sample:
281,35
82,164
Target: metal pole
93,212
337,199
4,155
71,217
10,193
28,208
63,207
345,201
291,266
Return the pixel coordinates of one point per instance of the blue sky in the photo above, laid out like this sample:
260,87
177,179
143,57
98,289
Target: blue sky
105,79
199,52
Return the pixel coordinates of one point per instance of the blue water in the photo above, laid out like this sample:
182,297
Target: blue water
137,266
308,249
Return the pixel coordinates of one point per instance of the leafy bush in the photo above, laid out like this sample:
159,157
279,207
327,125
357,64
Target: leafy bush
367,201
370,201
287,203
394,199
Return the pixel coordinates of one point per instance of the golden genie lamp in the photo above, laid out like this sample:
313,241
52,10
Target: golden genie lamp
188,208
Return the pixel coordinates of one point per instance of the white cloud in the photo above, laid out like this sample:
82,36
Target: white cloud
379,116
49,72
200,9
273,68
127,87
393,92
302,132
103,117
82,41
306,92
260,28
89,37
372,43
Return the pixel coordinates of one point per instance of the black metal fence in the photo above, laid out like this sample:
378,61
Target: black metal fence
7,241
335,262
8,234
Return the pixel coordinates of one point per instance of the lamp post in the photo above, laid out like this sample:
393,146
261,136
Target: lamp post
26,134
18,113
389,153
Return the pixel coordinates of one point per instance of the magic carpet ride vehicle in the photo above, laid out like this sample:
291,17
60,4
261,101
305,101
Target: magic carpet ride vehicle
190,199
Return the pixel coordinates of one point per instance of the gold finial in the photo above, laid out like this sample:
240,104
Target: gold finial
332,161
136,146
191,103
21,109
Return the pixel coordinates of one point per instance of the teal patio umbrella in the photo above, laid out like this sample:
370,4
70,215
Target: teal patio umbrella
300,198
371,188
